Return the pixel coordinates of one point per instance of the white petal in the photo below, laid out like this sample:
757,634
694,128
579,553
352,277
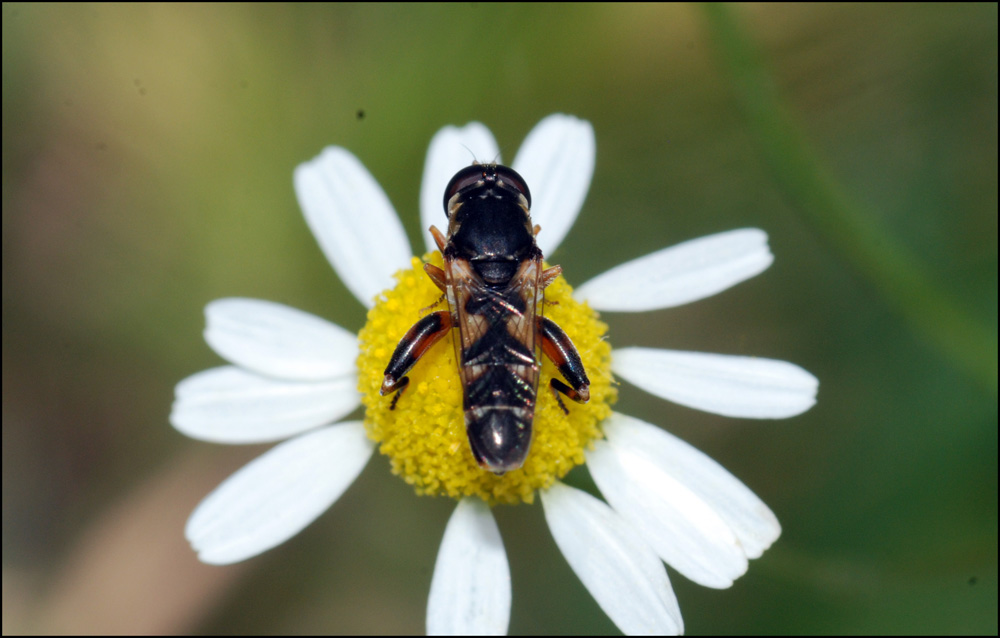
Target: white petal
451,149
617,567
470,590
680,274
753,523
279,341
557,162
730,385
679,526
353,222
231,405
277,494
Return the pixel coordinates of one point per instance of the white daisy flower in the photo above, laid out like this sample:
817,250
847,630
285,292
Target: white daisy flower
294,376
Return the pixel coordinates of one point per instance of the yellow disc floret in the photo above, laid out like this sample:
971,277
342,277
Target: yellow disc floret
424,436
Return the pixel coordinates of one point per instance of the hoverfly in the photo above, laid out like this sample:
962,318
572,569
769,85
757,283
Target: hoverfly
494,282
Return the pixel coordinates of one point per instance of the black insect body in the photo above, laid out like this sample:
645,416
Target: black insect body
494,282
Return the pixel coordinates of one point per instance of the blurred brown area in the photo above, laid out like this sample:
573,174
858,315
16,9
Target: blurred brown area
133,554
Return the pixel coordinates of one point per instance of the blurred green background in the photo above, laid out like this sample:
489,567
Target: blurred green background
147,162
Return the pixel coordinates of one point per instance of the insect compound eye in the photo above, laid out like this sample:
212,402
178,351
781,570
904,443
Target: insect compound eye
472,175
511,178
468,176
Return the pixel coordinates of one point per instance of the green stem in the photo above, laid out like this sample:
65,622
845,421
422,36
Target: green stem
850,226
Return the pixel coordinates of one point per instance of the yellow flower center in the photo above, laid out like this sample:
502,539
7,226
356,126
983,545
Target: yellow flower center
424,436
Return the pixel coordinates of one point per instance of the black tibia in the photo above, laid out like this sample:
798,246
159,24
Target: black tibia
417,340
558,347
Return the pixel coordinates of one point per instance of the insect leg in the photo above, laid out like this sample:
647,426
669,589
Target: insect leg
439,238
557,346
438,277
549,275
417,340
